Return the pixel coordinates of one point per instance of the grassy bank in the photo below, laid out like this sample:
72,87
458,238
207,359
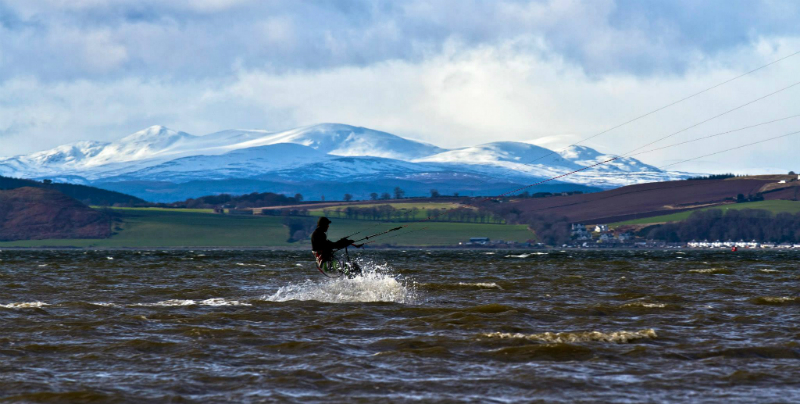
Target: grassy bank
776,206
185,228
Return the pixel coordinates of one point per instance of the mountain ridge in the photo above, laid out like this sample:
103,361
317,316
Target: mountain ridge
323,152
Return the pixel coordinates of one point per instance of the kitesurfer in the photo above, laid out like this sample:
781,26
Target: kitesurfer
323,248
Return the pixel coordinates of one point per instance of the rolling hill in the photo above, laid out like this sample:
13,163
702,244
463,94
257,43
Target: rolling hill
86,194
35,213
652,199
336,157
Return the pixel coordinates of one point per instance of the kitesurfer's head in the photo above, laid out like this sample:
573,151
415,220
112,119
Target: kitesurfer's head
323,223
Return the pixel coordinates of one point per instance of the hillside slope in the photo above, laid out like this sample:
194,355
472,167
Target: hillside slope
86,194
35,214
645,200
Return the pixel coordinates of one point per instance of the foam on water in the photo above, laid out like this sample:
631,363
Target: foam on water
487,285
217,301
647,305
525,255
376,284
776,300
24,305
712,271
618,337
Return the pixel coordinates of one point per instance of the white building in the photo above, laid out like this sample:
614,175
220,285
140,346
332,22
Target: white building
579,232
624,237
605,238
600,228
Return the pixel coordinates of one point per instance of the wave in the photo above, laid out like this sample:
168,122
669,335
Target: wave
754,352
25,305
645,305
618,337
373,286
776,300
548,352
217,301
525,255
460,286
103,304
484,285
715,271
768,270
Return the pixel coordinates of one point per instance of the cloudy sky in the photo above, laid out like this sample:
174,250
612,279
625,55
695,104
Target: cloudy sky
449,72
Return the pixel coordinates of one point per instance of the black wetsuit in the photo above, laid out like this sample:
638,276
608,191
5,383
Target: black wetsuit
323,247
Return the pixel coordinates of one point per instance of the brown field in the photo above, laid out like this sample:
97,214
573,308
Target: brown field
654,199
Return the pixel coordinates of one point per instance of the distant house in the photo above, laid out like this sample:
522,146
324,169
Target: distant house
623,237
600,228
579,232
605,238
479,240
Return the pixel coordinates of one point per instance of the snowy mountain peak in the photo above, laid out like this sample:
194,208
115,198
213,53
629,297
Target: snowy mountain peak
497,153
144,144
153,135
66,154
324,152
586,156
345,140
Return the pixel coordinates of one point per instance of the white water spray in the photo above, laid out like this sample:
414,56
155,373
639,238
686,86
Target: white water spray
376,284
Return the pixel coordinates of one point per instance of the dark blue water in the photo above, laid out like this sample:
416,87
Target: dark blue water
421,326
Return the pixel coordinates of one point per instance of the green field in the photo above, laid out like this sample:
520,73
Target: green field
400,205
415,211
429,234
181,228
772,206
422,208
182,210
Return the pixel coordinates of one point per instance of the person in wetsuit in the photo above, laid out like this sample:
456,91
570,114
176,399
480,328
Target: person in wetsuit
323,248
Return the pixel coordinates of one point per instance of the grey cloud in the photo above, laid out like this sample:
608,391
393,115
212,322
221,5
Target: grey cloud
198,39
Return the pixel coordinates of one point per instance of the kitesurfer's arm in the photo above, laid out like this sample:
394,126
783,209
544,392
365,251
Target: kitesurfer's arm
344,242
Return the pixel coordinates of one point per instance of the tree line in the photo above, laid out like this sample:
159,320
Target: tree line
746,224
252,200
390,213
713,177
550,229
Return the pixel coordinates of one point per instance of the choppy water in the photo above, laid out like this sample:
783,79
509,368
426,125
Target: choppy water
431,326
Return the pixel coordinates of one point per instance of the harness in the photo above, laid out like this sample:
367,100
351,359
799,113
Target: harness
341,267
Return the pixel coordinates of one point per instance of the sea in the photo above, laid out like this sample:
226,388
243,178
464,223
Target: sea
420,326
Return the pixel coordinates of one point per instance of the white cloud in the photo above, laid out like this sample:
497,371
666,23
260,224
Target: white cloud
460,97
451,72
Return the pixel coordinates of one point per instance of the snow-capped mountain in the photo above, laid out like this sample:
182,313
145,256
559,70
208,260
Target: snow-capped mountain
157,144
241,163
319,153
586,156
346,140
